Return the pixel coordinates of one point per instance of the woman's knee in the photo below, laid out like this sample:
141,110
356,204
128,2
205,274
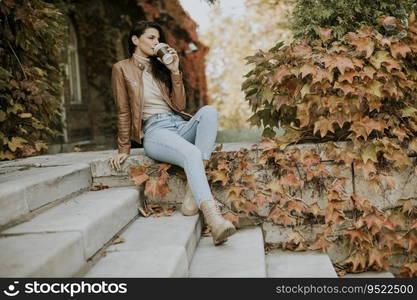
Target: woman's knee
209,110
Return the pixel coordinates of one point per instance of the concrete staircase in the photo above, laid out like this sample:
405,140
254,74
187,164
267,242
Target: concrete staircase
25,191
152,247
59,240
306,264
242,255
52,225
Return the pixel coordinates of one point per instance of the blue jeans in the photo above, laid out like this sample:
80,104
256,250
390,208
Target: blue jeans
171,139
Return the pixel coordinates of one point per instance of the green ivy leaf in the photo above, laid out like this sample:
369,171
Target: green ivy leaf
16,142
3,116
369,153
14,109
268,132
408,112
267,94
25,115
276,47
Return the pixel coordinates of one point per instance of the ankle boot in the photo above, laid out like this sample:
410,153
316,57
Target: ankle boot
189,206
221,229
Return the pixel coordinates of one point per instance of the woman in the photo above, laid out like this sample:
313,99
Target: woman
150,100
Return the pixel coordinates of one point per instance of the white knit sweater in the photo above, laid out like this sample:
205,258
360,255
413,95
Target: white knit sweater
153,100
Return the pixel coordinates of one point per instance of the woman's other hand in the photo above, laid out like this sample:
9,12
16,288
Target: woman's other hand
117,160
174,66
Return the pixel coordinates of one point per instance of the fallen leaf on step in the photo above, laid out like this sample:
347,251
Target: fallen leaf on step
118,240
144,212
218,148
270,246
156,210
99,187
169,211
339,270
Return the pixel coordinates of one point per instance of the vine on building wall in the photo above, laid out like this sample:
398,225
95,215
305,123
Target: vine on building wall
30,89
360,89
269,184
342,16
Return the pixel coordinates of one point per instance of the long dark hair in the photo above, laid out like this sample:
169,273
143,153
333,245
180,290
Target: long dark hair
159,70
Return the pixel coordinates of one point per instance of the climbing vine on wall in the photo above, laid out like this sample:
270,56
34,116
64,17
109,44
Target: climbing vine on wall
343,16
272,185
360,89
30,90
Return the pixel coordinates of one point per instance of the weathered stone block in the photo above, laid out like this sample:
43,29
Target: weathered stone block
101,168
305,264
277,234
383,198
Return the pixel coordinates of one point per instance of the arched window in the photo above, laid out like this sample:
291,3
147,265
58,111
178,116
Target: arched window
73,71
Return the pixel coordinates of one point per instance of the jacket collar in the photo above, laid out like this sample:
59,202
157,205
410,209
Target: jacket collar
137,63
160,85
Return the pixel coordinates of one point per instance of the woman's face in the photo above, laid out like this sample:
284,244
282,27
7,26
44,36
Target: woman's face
146,42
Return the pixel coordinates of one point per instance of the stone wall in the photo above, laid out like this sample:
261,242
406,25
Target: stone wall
382,199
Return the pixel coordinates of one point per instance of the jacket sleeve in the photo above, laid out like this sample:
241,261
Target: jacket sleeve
123,110
178,91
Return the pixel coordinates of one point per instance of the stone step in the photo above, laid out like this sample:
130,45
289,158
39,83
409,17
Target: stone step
22,192
41,255
152,247
241,256
304,264
85,222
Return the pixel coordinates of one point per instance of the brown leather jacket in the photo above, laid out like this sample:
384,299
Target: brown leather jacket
127,86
